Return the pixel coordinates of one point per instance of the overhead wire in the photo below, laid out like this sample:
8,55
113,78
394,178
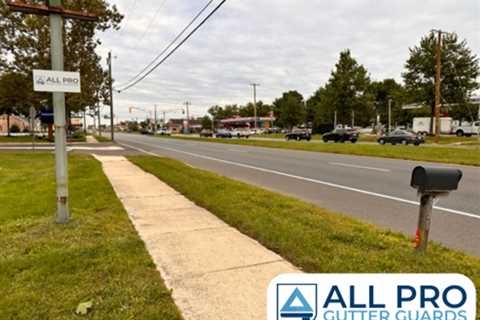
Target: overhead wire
170,44
174,49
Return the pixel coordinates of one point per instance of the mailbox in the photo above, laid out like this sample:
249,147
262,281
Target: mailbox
435,179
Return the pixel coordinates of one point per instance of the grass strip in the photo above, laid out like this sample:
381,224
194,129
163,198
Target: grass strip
312,238
432,154
48,269
102,138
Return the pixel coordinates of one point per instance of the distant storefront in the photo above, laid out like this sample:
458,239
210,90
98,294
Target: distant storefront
14,120
244,122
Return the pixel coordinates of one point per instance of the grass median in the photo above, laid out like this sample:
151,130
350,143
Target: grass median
48,269
312,238
420,153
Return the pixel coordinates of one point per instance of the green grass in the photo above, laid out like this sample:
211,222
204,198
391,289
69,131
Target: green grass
47,269
314,239
102,138
420,153
21,139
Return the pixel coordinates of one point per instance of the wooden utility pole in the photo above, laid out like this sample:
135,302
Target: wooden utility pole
110,84
56,13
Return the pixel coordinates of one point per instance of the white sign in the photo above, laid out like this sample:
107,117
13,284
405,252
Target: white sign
371,297
56,81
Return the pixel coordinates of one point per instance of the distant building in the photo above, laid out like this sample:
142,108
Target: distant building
242,122
19,121
179,125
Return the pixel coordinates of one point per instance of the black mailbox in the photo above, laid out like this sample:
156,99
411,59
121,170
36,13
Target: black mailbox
435,179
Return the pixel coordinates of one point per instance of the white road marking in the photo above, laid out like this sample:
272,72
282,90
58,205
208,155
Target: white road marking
280,173
358,167
241,151
110,148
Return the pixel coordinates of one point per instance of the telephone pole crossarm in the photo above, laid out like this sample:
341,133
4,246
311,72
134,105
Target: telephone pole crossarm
46,9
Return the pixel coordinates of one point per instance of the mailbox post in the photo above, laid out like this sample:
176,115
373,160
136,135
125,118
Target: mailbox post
431,183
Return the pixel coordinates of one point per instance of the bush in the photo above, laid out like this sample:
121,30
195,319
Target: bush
14,128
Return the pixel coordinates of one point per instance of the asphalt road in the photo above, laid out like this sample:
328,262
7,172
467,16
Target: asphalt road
375,190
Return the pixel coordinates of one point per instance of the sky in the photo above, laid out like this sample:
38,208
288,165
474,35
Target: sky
281,44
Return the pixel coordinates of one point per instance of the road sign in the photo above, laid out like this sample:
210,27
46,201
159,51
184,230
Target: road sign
56,81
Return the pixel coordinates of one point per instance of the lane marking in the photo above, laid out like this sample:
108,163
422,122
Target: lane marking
111,148
358,167
280,173
241,151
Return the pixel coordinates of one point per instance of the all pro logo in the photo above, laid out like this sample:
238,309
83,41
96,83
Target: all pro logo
296,301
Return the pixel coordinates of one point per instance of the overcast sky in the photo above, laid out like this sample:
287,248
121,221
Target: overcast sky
281,44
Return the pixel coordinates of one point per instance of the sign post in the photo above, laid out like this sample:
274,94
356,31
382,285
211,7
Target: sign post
56,13
56,47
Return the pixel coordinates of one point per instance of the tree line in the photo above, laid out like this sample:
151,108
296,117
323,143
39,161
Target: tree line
351,96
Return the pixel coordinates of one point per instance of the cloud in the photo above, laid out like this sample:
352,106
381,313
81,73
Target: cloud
282,44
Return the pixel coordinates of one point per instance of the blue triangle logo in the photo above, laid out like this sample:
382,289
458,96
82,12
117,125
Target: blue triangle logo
296,296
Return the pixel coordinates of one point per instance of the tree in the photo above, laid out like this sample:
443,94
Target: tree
346,93
15,95
460,70
290,109
206,122
385,90
25,39
263,110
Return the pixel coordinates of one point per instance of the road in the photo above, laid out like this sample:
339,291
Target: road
375,190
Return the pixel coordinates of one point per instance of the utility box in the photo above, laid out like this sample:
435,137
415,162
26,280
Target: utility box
438,180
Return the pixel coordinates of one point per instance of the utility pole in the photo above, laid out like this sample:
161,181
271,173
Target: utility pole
56,47
389,115
155,128
438,64
56,13
110,84
335,119
353,118
255,85
99,120
187,104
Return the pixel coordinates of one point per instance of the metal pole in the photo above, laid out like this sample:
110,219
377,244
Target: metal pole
389,115
164,125
56,45
32,126
99,120
437,88
155,120
335,119
187,104
424,219
111,94
353,118
254,85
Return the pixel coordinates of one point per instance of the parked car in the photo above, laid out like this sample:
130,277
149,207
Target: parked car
223,134
145,131
241,133
341,135
164,132
206,133
402,137
299,134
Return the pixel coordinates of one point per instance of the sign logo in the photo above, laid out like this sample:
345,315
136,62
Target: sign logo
371,297
296,301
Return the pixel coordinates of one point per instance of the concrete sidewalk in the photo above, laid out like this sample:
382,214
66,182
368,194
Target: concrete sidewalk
214,271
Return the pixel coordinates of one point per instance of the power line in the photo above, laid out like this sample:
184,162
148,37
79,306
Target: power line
176,48
152,20
171,43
